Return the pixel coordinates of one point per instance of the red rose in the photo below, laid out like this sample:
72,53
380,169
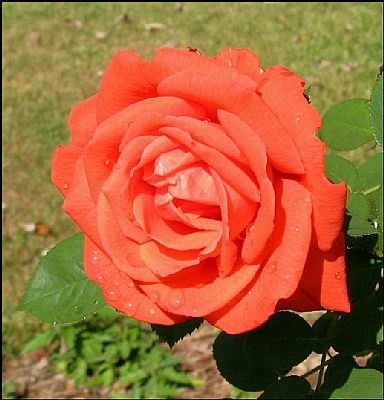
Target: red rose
199,184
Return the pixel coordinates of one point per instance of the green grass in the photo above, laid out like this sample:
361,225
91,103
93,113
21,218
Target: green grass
52,60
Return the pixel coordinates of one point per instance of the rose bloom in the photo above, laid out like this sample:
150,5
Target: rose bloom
199,185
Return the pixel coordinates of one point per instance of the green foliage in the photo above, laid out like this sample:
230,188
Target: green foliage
59,291
8,389
346,125
172,334
112,349
375,110
344,380
291,387
235,366
279,344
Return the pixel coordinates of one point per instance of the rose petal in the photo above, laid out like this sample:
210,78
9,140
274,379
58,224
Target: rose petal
324,281
63,166
227,94
82,121
124,253
242,59
279,88
191,293
228,170
280,276
123,84
79,204
120,291
108,136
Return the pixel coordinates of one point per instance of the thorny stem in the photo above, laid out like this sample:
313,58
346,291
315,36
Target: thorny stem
321,366
321,373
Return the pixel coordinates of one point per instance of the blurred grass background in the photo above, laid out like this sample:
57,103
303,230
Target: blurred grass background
54,55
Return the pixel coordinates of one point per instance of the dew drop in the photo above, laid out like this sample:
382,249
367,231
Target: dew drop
54,323
129,305
375,224
286,277
338,275
271,267
84,317
152,311
207,120
250,292
131,284
94,257
112,295
155,296
176,298
96,302
76,307
295,203
250,228
297,229
297,120
107,162
194,311
65,186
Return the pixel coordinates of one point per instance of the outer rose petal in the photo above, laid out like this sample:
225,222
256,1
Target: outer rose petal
63,166
123,84
80,205
279,277
82,121
241,59
119,290
279,87
324,282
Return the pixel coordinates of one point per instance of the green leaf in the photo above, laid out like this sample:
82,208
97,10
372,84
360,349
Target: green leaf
172,334
362,383
357,331
339,169
370,175
236,368
376,110
282,342
40,340
357,204
291,387
59,291
360,227
346,125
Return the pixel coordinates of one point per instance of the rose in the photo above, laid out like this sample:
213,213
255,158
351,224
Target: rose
199,184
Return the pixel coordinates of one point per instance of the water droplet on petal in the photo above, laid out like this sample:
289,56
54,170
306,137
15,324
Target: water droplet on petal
65,186
155,296
250,292
207,120
297,120
129,305
194,311
176,298
295,203
112,295
250,228
131,284
338,275
152,311
95,257
271,267
286,277
297,228
107,162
